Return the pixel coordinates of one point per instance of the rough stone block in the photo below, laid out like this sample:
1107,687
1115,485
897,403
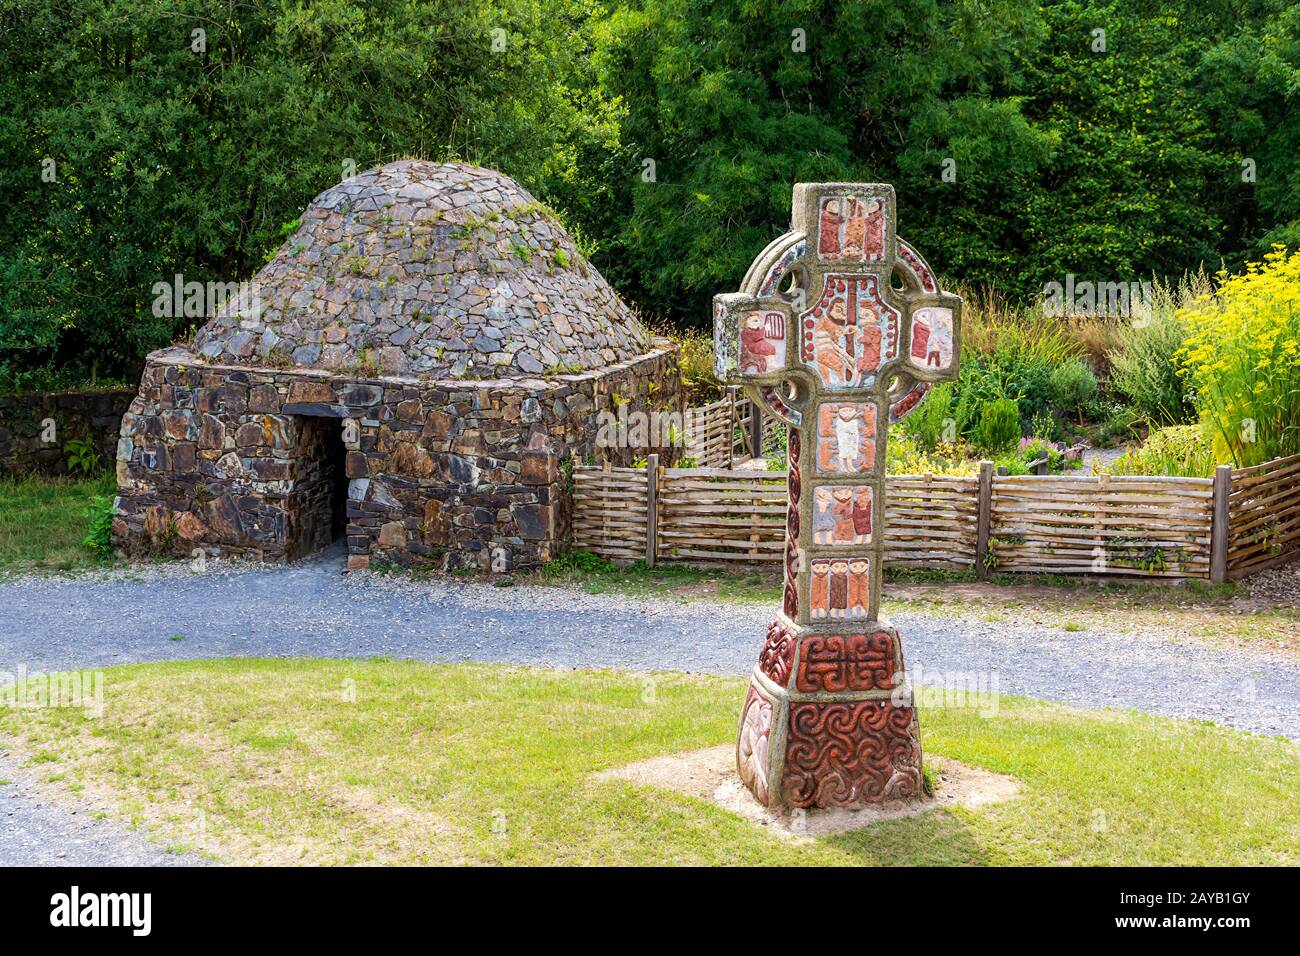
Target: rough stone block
264,399
392,535
539,468
355,465
318,409
310,392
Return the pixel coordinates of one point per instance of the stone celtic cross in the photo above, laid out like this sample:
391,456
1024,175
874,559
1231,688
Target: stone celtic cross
839,330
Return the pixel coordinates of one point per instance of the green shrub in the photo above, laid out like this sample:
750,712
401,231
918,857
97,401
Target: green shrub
1007,353
999,425
695,360
99,538
1144,368
583,562
1044,425
84,459
1010,463
1176,450
776,448
1037,449
906,456
1073,386
930,423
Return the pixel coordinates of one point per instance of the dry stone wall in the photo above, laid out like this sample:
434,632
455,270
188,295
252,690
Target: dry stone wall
455,473
23,445
428,268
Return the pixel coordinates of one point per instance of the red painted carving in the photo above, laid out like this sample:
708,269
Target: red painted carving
839,662
790,601
904,405
908,255
828,235
779,408
778,653
845,754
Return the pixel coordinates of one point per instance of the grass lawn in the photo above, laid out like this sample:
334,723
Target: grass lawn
1194,610
311,761
42,522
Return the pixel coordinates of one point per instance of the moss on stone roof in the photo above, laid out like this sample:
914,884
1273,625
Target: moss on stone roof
429,268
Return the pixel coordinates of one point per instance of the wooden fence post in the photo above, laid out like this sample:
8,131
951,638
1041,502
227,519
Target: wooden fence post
731,428
651,509
985,515
604,489
1219,525
755,430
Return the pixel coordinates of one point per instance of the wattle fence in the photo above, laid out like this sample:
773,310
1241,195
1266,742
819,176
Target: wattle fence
1217,529
1263,506
726,431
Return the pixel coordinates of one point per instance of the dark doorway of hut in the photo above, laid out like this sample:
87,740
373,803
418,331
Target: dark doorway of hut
321,488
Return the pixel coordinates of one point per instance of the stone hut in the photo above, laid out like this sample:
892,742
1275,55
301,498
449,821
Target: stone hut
415,370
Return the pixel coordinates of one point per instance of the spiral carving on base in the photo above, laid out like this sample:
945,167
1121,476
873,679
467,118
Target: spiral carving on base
846,754
777,655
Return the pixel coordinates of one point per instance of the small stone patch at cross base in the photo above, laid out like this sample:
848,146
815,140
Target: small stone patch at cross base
839,330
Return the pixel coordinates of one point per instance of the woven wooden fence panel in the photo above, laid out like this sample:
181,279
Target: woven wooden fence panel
1263,515
1153,527
609,511
709,514
931,521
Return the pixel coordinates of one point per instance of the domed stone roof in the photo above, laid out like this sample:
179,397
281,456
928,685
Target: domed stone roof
437,269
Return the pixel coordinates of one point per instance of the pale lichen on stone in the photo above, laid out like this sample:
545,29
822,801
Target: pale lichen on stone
435,268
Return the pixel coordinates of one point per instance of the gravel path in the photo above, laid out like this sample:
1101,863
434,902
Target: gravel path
1099,458
35,832
311,609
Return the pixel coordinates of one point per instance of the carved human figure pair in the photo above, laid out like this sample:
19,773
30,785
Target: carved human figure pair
932,338
847,352
851,228
842,515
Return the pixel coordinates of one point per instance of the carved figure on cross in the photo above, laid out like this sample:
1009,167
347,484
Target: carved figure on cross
839,330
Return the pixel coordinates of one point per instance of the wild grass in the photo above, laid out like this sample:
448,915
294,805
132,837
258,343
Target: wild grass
1176,450
44,520
992,327
1144,361
696,362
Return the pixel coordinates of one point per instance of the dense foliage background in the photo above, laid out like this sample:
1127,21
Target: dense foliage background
172,155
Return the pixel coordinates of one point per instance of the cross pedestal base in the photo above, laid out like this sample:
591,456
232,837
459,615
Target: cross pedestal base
827,721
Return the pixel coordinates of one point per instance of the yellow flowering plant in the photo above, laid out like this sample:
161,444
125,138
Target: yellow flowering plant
1242,356
908,456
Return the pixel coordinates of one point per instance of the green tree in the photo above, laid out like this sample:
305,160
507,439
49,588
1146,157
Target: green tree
180,151
731,111
1249,86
